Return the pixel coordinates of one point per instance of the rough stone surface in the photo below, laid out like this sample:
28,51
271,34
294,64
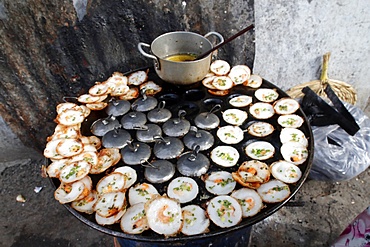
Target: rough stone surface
12,149
292,37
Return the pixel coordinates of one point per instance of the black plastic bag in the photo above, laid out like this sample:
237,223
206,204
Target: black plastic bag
341,137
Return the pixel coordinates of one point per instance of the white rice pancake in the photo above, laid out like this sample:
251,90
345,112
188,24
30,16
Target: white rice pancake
134,221
294,152
230,134
239,74
88,98
129,174
66,193
85,110
55,167
260,150
90,157
118,84
132,93
220,67
95,141
249,200
113,219
254,81
109,204
290,121
69,147
224,211
208,82
293,135
120,90
226,156
97,106
241,101
150,88
107,157
137,78
112,182
261,110
220,183
234,116
50,150
260,129
274,191
266,95
219,92
90,148
74,171
195,220
88,185
85,205
184,189
164,215
65,132
285,171
286,106
117,78
64,106
99,89
254,171
141,193
222,83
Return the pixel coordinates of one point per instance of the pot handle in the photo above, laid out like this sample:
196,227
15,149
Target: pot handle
140,45
219,36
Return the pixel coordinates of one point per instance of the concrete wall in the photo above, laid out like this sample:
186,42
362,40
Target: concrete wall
292,36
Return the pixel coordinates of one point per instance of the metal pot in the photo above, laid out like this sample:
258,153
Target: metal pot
181,42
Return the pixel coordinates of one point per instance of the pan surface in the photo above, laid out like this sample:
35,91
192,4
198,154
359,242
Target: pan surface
196,99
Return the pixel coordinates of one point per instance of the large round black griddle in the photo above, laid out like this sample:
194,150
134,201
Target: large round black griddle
196,99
